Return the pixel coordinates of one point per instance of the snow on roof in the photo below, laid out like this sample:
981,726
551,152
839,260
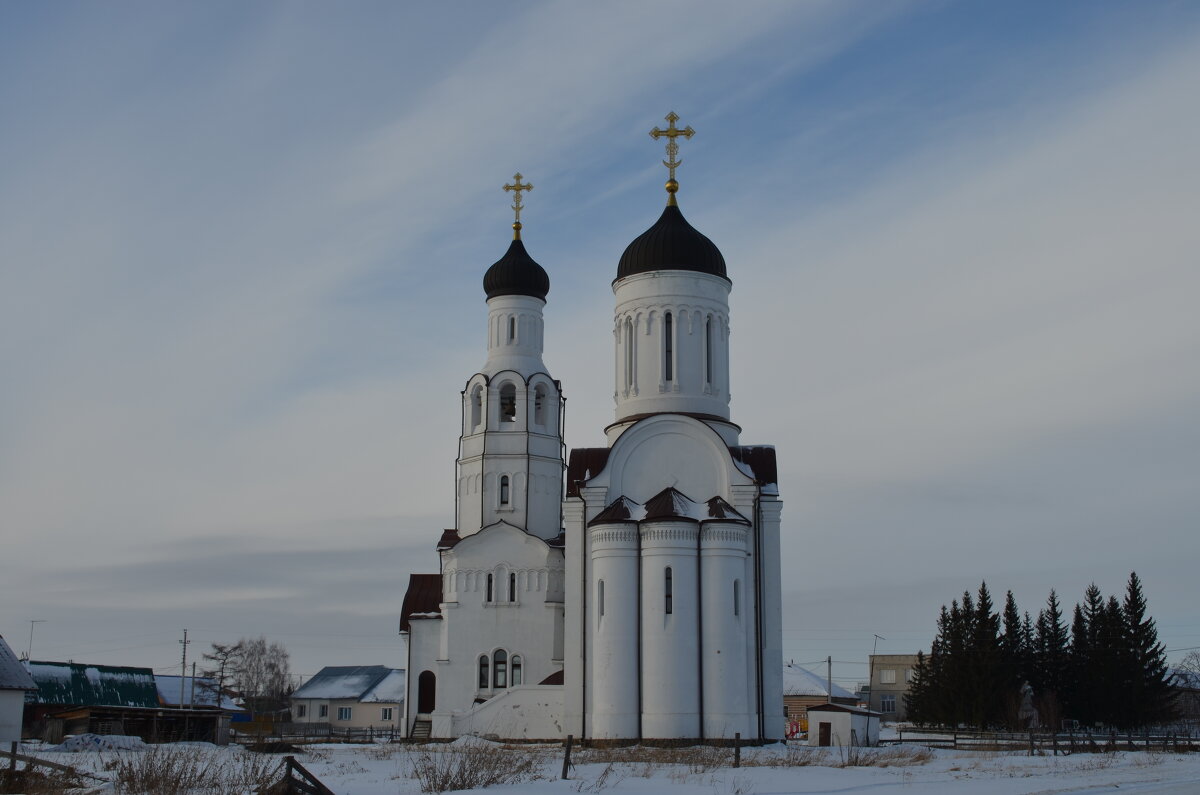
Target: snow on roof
799,681
389,691
204,694
343,681
13,675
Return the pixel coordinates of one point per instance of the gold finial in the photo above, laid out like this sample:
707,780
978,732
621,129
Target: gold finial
671,133
516,188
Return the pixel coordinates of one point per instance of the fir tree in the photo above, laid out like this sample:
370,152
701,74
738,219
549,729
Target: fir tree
1149,698
1052,663
985,665
1014,654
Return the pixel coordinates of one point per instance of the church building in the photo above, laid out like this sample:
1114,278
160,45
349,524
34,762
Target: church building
632,594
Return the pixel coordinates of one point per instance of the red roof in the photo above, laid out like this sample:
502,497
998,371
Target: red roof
424,595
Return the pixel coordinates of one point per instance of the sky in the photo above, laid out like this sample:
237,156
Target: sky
241,252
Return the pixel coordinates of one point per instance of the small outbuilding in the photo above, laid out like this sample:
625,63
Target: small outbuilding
842,724
15,681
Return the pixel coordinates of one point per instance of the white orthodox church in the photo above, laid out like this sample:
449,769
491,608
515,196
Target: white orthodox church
632,593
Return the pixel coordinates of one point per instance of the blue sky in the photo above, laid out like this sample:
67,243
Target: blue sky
241,248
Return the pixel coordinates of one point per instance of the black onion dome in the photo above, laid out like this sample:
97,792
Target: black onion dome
671,244
516,274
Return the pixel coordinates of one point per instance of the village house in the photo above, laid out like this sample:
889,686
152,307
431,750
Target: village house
352,697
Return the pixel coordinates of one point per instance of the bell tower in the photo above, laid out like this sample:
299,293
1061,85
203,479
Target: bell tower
510,462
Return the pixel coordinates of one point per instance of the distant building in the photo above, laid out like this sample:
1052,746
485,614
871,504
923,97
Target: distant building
352,697
15,681
74,698
891,677
803,689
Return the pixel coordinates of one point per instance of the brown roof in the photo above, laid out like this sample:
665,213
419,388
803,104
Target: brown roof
621,510
449,538
424,595
587,462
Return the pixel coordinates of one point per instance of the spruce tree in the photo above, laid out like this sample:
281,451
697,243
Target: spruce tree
985,665
1150,698
1053,663
1013,654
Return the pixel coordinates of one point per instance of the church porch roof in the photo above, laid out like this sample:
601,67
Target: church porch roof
424,596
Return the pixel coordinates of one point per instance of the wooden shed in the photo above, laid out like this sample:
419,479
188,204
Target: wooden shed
841,724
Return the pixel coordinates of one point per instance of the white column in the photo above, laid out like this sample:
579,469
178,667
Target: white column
670,646
613,613
725,624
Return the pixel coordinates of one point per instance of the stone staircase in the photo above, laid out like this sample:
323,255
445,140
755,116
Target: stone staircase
421,730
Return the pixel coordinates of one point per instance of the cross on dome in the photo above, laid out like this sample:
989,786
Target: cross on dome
671,133
516,188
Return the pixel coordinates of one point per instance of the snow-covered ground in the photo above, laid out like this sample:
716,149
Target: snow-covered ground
390,769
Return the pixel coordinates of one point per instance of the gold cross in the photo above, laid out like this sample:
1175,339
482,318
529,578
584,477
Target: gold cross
671,133
516,188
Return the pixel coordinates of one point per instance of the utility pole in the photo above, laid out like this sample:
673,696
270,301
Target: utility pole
183,667
29,653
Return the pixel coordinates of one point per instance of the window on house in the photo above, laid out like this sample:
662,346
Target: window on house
301,710
600,598
708,350
483,672
737,597
888,676
539,405
668,348
517,672
323,711
667,590
908,675
488,595
500,668
504,490
508,403
385,713
344,713
887,703
512,587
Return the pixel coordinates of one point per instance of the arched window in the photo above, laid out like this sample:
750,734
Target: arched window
512,328
668,589
483,672
500,668
489,588
508,403
476,406
668,348
517,673
600,598
504,490
539,405
512,587
708,340
737,597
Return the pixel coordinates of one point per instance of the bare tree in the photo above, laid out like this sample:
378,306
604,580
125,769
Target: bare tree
262,673
224,658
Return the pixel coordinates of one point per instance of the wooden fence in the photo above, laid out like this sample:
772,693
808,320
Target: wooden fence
1037,742
297,780
315,733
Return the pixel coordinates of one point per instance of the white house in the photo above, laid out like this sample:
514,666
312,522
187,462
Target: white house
15,681
352,697
841,724
646,604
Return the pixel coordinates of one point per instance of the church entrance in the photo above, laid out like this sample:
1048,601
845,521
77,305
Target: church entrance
426,690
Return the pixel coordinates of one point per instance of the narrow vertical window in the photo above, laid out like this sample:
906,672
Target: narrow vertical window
504,489
488,596
512,328
737,597
629,343
517,673
484,678
508,403
708,340
500,668
539,405
476,406
667,591
600,598
512,587
668,348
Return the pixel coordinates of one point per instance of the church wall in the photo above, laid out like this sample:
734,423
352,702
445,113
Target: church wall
614,623
770,509
670,630
724,636
529,712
